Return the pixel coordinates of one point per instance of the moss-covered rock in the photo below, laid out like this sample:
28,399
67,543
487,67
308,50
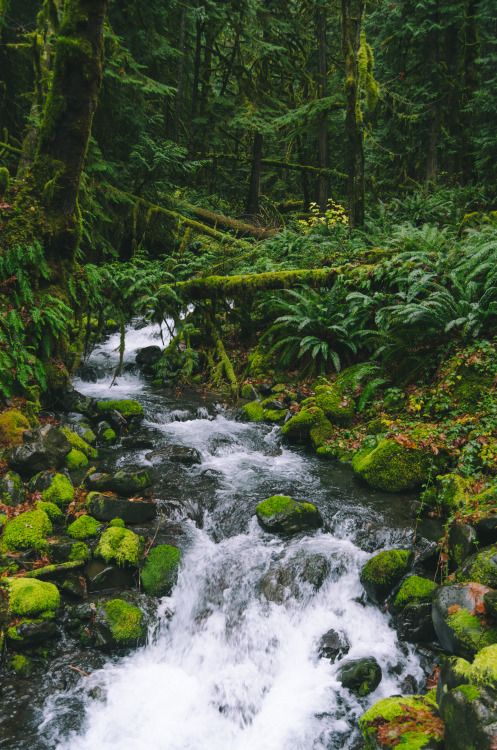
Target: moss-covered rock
60,491
116,625
360,676
409,723
120,546
53,511
21,665
32,598
13,425
298,427
106,434
107,507
160,571
480,567
321,433
254,411
80,552
28,531
12,490
128,408
338,407
393,467
282,514
76,460
384,571
414,589
84,527
448,494
458,614
79,443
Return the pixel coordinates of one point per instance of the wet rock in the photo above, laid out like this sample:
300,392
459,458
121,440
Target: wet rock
107,507
412,609
113,625
278,585
117,422
75,586
463,541
106,434
381,574
333,645
12,490
55,487
70,400
28,634
44,448
467,695
85,432
282,514
148,356
124,482
481,567
360,676
138,442
458,618
410,722
486,529
102,576
490,601
179,454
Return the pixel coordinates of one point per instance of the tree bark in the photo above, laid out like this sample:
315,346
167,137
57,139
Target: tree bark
252,208
320,22
352,16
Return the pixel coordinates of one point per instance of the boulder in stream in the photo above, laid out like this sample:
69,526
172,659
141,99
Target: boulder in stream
179,454
148,356
458,613
284,515
360,676
333,645
44,448
382,572
412,609
108,507
113,625
126,482
160,571
404,722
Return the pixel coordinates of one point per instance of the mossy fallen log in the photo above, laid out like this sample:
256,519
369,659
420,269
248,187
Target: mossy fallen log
243,228
228,287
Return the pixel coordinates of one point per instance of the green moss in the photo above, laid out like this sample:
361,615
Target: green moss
21,665
274,415
11,489
483,670
415,589
84,527
160,570
126,621
79,444
120,546
118,523
299,426
27,531
247,391
470,692
108,436
481,568
392,467
13,424
60,492
338,407
450,493
127,408
470,630
76,460
411,723
282,504
254,411
32,598
320,434
53,511
4,172
79,551
386,567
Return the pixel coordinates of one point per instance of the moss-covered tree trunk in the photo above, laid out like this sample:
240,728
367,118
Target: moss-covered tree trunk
66,125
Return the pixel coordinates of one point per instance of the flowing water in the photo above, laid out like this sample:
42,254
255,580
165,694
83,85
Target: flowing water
225,668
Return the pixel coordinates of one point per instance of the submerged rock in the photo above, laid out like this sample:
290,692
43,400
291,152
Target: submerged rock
180,454
381,574
282,514
360,676
45,448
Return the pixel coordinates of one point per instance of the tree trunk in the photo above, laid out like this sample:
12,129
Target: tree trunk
470,86
180,91
320,20
352,16
66,124
255,176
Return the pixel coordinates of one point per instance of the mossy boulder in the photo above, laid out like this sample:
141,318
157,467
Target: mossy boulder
53,511
21,665
120,546
467,696
458,613
338,407
284,515
12,491
127,408
46,448
407,723
76,460
393,467
462,542
360,676
118,625
382,572
106,434
13,425
414,590
32,598
28,531
254,411
298,427
448,494
124,482
60,491
84,527
160,571
79,443
411,610
480,567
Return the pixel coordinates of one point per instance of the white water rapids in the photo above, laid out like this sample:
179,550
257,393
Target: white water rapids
226,669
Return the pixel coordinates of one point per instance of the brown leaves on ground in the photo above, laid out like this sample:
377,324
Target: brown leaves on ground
419,719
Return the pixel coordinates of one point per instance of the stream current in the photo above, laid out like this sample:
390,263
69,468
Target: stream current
224,667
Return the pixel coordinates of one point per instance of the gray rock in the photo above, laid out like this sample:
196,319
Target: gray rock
148,356
457,618
44,448
12,490
333,645
360,676
106,507
180,454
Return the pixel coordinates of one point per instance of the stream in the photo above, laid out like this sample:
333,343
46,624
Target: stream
224,667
